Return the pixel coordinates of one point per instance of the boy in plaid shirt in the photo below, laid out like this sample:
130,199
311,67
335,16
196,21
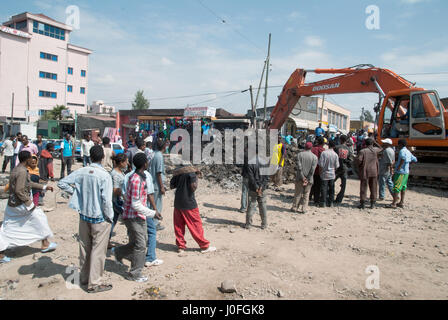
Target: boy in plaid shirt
134,217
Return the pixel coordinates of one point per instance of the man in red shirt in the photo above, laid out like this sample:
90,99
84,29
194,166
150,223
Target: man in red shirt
315,189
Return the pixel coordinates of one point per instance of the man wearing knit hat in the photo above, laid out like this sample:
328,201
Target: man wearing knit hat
306,165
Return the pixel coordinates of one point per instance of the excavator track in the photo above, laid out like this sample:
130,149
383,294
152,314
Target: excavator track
432,175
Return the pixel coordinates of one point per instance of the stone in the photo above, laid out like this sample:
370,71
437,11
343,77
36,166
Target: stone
228,286
280,294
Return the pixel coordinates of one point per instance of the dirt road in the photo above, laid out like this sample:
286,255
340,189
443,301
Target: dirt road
321,255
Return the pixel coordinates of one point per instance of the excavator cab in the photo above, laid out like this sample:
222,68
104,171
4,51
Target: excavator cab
427,116
413,115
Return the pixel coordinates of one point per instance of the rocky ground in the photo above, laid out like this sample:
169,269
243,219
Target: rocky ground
321,255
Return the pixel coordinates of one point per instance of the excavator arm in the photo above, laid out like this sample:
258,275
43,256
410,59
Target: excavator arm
358,79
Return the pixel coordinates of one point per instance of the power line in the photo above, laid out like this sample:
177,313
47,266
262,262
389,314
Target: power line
221,19
214,99
227,93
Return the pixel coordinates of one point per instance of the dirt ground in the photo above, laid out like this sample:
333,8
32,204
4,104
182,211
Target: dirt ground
321,255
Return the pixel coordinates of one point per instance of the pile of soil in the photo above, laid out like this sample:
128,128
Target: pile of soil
228,176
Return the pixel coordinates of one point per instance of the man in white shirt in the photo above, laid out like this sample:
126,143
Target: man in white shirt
8,152
87,144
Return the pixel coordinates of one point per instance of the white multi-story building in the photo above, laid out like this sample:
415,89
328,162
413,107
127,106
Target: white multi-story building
40,67
98,107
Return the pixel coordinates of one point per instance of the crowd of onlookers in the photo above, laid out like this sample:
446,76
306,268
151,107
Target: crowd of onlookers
128,186
324,159
131,186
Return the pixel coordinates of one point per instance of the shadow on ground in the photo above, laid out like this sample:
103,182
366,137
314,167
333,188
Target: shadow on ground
218,207
220,221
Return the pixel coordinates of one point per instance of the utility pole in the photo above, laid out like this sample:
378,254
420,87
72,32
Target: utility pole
12,109
322,109
267,79
254,111
259,85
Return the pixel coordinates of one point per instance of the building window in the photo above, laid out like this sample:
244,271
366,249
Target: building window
49,31
70,71
48,56
83,73
69,88
21,25
47,94
47,75
83,90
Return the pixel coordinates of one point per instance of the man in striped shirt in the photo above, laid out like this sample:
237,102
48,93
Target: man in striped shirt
134,217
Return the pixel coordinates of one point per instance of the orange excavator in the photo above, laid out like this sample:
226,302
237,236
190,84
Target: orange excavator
404,112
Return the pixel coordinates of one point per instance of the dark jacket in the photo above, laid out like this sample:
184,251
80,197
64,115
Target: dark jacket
20,187
256,179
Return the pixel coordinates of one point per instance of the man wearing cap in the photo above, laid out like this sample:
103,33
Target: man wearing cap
306,165
386,168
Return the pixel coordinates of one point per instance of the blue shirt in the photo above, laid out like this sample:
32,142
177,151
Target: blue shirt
408,157
91,190
288,139
67,148
319,131
157,165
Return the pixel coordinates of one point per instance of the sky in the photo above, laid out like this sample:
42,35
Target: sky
214,49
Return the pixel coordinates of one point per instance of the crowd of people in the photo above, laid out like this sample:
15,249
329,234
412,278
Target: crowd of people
131,186
128,186
323,160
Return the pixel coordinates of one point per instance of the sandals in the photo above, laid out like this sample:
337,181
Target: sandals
400,205
5,260
50,248
100,288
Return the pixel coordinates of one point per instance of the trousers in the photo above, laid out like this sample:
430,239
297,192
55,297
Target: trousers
383,181
66,162
191,219
301,195
135,250
244,194
343,177
253,199
93,240
372,184
326,192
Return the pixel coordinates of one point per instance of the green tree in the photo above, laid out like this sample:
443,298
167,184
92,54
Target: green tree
55,113
140,102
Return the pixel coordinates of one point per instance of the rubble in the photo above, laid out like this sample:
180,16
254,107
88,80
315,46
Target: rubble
229,175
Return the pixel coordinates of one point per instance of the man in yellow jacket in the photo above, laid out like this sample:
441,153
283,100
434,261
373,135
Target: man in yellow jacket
278,159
